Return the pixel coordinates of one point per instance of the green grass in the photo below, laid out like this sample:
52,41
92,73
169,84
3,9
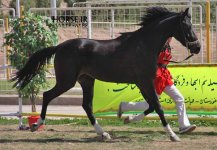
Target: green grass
108,122
5,85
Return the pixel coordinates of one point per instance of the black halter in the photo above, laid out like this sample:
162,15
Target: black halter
187,43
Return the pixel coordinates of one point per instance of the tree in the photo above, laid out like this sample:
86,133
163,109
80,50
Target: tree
28,35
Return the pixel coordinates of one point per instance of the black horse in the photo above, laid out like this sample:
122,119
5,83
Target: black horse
130,58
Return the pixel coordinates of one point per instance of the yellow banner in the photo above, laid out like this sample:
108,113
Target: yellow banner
198,84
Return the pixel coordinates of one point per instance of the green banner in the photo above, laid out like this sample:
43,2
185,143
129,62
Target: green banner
198,84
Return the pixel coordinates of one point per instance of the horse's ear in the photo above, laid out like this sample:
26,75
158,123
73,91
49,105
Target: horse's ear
186,13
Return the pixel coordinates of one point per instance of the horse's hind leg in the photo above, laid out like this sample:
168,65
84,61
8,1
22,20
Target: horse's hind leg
47,97
63,84
87,84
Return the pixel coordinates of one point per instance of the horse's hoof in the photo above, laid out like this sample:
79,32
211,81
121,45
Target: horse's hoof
127,120
34,127
175,138
106,136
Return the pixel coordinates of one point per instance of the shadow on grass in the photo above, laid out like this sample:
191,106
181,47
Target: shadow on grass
62,140
205,133
9,130
195,133
49,140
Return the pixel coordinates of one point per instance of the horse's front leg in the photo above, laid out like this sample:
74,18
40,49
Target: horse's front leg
87,105
87,84
147,89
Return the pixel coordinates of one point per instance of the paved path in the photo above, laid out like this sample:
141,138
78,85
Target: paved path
62,109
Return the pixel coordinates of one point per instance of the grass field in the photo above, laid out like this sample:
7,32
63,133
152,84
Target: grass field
6,87
79,134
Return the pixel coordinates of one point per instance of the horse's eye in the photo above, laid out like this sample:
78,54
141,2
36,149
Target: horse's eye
188,35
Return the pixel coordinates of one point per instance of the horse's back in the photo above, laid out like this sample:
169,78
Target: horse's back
101,59
84,51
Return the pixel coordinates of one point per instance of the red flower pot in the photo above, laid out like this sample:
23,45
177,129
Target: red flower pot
34,119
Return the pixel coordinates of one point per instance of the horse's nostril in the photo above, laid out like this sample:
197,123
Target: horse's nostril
197,50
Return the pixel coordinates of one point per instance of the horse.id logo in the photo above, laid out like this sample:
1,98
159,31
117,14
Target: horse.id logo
75,21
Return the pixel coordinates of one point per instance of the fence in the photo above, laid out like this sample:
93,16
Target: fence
108,3
6,15
5,87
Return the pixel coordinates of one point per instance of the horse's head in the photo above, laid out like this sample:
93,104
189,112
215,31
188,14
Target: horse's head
185,33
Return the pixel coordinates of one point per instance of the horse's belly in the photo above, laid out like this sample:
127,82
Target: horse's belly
113,76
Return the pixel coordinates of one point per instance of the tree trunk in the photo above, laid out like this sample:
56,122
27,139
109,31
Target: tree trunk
33,98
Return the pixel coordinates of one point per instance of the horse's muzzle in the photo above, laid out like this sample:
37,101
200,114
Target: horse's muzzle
194,47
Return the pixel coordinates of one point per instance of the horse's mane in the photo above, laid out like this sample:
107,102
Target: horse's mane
155,13
151,15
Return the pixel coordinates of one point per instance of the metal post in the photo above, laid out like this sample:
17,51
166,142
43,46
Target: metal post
113,23
190,11
6,25
21,11
53,6
190,3
4,48
18,8
216,27
89,27
20,111
21,126
208,31
201,34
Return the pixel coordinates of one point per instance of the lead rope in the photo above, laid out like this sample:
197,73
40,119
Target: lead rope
180,61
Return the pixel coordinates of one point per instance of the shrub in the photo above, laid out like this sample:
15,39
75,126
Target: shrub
28,35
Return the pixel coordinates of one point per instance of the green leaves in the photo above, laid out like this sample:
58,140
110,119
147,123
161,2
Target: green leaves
28,35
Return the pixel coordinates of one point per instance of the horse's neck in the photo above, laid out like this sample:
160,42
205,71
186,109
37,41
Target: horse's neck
151,37
162,31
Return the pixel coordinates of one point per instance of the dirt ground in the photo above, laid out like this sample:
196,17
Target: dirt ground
58,137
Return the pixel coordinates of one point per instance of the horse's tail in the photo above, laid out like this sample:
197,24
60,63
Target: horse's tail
33,66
